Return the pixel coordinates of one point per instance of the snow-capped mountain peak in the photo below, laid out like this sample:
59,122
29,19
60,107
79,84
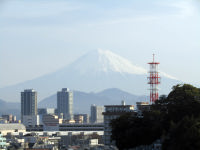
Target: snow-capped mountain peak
106,61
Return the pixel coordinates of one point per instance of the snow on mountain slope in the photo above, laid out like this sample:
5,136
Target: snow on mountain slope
99,61
105,61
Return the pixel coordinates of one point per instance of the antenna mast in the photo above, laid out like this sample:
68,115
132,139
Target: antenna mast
154,80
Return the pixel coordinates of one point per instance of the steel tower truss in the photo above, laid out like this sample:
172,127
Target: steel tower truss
154,80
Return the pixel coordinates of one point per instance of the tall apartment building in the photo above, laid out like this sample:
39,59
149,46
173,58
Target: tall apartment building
65,104
113,112
28,103
96,114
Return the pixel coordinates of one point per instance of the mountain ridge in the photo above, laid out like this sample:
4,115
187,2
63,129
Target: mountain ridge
82,101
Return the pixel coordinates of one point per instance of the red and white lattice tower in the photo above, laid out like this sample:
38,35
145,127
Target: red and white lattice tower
154,80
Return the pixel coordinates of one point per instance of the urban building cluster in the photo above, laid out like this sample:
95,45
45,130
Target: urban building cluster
52,128
8,118
59,128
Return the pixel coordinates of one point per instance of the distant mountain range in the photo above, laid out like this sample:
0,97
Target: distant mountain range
93,72
82,101
10,108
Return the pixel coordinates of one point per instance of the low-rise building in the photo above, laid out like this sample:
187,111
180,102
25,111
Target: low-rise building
31,120
51,122
82,127
9,117
11,127
81,118
3,144
45,111
78,118
113,112
96,114
143,106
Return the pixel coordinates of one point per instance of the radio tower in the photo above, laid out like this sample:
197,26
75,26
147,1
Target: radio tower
154,80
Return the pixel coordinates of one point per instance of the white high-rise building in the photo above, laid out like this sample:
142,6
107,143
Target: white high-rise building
96,114
65,104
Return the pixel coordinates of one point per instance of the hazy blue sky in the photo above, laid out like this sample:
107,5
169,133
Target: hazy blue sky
41,36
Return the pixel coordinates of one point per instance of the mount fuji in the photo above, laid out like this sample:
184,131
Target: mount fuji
93,72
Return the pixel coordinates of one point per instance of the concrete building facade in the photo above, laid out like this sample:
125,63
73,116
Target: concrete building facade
33,120
113,112
12,128
143,106
81,118
28,103
51,122
96,114
65,104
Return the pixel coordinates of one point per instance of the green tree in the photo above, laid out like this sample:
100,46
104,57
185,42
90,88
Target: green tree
184,135
162,121
183,100
130,131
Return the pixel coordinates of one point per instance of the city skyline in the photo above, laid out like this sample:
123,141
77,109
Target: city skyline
103,75
42,37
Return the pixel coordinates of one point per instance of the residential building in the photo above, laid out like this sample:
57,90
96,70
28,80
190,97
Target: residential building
12,128
81,127
3,120
96,114
51,122
28,103
3,144
81,118
113,112
33,120
9,117
45,111
65,104
143,106
78,118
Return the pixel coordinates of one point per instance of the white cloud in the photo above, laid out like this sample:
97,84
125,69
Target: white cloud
124,20
184,8
168,76
31,9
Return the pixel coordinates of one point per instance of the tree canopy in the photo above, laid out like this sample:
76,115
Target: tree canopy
173,119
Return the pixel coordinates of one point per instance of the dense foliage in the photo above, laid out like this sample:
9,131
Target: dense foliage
175,119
